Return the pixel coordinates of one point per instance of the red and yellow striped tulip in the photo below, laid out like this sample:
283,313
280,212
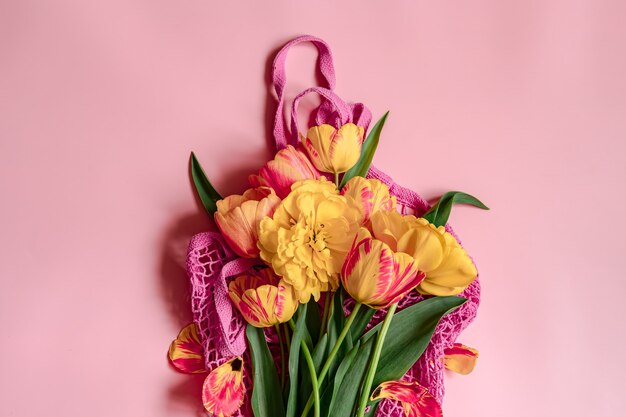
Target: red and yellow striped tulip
415,399
460,358
238,218
186,353
223,390
370,195
263,298
290,165
375,275
333,150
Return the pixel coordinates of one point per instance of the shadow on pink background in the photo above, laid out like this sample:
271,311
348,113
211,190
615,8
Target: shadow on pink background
520,103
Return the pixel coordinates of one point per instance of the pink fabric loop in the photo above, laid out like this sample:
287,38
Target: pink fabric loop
341,115
279,79
234,342
361,115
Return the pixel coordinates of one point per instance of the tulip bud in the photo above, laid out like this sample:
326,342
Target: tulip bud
334,151
263,298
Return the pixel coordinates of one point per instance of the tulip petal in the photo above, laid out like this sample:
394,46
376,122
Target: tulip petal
425,243
460,358
345,148
370,195
415,399
388,226
186,353
454,273
223,389
288,166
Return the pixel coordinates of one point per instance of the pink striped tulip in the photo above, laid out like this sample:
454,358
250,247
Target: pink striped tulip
460,358
290,165
262,298
238,218
415,399
374,275
186,352
333,150
223,390
370,195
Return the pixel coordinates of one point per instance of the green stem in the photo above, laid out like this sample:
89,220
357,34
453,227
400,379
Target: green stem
369,378
325,314
337,179
309,361
333,352
282,356
287,337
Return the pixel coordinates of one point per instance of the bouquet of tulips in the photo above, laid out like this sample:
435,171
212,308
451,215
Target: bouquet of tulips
330,250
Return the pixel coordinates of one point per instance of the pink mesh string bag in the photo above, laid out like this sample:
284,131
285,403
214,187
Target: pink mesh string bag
211,264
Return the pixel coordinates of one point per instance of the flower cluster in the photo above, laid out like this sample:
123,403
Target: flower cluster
315,239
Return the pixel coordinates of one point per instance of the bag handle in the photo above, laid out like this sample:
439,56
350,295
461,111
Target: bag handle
279,80
333,110
342,113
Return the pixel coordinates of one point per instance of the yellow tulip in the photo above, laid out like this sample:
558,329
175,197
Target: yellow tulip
238,218
333,150
263,298
308,237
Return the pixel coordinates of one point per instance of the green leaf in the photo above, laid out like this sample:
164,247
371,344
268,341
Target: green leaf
440,212
363,317
409,334
341,373
346,396
207,193
266,396
367,152
294,362
319,352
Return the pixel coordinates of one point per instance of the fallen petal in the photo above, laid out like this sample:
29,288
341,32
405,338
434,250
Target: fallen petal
460,358
186,351
415,399
223,390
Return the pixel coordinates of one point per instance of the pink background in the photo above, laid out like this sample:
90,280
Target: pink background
520,103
